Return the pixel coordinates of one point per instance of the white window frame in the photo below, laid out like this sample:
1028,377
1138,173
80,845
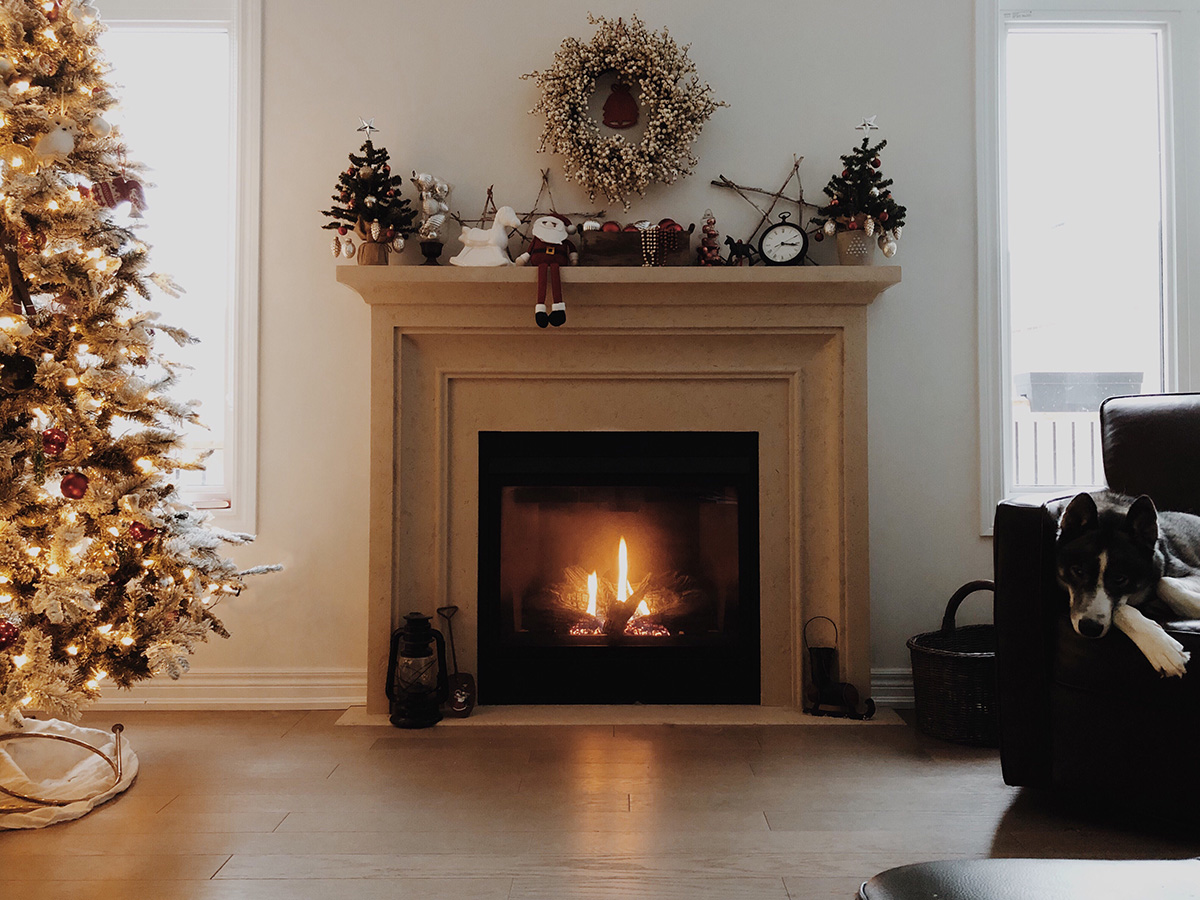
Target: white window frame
1179,26
242,19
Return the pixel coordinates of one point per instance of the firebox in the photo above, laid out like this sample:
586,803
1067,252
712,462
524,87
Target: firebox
618,567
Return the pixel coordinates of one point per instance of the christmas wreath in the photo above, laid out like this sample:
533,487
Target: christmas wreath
676,106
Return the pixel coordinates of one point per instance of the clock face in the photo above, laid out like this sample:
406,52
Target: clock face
782,244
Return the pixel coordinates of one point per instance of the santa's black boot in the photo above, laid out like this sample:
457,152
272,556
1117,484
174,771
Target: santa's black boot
539,315
558,314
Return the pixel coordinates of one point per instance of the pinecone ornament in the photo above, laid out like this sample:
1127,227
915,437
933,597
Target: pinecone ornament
336,246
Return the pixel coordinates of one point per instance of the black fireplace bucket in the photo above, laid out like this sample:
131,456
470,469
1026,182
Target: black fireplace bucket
825,695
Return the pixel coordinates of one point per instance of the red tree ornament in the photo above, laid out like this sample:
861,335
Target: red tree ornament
113,193
140,532
54,441
74,485
8,634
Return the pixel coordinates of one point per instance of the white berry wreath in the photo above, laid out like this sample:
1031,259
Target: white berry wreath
674,101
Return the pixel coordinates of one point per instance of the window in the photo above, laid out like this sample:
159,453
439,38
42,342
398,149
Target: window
188,83
1079,119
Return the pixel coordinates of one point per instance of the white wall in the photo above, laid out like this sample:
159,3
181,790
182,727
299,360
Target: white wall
442,81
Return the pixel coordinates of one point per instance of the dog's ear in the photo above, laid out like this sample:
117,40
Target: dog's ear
1079,517
1142,520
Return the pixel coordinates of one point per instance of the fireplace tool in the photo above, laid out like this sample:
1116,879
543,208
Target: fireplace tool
416,678
462,686
825,695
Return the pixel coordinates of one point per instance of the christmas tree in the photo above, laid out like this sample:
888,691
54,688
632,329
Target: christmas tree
107,576
860,198
368,202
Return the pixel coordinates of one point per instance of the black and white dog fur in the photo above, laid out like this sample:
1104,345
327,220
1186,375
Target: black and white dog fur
1117,556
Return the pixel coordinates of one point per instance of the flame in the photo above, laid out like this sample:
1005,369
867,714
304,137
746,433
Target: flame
623,590
642,610
593,587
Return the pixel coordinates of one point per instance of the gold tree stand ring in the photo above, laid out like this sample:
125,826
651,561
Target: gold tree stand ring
40,802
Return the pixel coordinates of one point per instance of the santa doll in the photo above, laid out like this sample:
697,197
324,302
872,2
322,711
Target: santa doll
550,250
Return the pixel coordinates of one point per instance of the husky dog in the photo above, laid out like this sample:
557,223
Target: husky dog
1116,555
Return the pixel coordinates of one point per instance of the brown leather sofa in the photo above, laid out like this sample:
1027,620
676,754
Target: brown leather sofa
1092,715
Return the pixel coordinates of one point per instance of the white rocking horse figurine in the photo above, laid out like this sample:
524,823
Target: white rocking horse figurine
487,246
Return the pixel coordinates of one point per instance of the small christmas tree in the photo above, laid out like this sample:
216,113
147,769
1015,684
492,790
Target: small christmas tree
107,575
368,202
860,199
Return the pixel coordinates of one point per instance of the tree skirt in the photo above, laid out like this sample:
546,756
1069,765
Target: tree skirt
58,770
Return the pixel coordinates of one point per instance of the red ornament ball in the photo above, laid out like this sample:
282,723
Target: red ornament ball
876,163
54,441
140,532
385,168
342,229
852,225
8,635
883,216
74,485
819,236
845,172
610,226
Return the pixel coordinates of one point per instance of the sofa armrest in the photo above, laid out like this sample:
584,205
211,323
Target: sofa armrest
1027,603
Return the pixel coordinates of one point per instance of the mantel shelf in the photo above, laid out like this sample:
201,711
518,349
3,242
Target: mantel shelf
702,285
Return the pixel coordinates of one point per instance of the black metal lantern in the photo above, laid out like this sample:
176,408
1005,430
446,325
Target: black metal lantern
416,682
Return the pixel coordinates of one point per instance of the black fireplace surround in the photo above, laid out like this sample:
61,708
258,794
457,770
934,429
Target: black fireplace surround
563,515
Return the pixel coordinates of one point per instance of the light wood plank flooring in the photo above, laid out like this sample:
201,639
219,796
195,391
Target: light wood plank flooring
266,805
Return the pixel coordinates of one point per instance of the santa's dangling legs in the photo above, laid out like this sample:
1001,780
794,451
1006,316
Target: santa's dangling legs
558,309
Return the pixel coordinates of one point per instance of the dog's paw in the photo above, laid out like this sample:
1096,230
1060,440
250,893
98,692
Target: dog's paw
1169,658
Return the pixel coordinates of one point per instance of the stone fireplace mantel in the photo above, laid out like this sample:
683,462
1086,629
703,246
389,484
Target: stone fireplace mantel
780,351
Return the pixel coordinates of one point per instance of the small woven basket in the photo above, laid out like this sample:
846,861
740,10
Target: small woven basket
954,677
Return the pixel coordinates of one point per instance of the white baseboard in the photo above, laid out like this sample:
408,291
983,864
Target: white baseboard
339,689
892,687
245,689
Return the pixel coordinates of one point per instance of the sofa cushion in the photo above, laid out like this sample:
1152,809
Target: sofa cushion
1114,666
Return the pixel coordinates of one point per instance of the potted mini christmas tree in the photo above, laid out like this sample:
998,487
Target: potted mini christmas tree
107,575
861,211
368,202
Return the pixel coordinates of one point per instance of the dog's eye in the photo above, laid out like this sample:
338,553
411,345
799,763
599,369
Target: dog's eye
1119,580
1077,572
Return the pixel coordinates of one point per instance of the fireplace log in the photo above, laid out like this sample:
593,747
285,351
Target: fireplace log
618,614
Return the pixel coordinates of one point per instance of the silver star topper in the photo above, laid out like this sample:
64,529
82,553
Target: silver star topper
368,125
867,126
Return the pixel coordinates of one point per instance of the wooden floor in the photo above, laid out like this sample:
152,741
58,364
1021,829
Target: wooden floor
257,805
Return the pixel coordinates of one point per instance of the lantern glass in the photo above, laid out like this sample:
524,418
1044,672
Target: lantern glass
414,674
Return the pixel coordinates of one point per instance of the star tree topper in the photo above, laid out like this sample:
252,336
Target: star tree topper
368,125
867,126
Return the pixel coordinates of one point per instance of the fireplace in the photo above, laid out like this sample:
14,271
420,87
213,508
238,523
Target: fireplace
618,567
780,352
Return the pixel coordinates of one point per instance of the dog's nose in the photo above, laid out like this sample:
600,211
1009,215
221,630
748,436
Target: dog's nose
1090,628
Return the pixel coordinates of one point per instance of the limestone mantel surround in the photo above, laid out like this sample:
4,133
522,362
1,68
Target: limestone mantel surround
777,350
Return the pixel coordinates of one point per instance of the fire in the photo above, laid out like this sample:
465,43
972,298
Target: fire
619,592
623,591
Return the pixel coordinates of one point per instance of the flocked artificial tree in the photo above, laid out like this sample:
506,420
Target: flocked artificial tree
368,202
860,198
107,576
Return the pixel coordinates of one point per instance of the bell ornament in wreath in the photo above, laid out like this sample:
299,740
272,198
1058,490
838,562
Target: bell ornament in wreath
417,683
373,251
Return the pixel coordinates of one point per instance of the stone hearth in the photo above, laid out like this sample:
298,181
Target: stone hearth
778,351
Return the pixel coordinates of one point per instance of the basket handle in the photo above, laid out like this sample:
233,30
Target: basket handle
961,594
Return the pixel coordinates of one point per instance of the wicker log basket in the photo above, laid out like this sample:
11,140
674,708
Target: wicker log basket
954,677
